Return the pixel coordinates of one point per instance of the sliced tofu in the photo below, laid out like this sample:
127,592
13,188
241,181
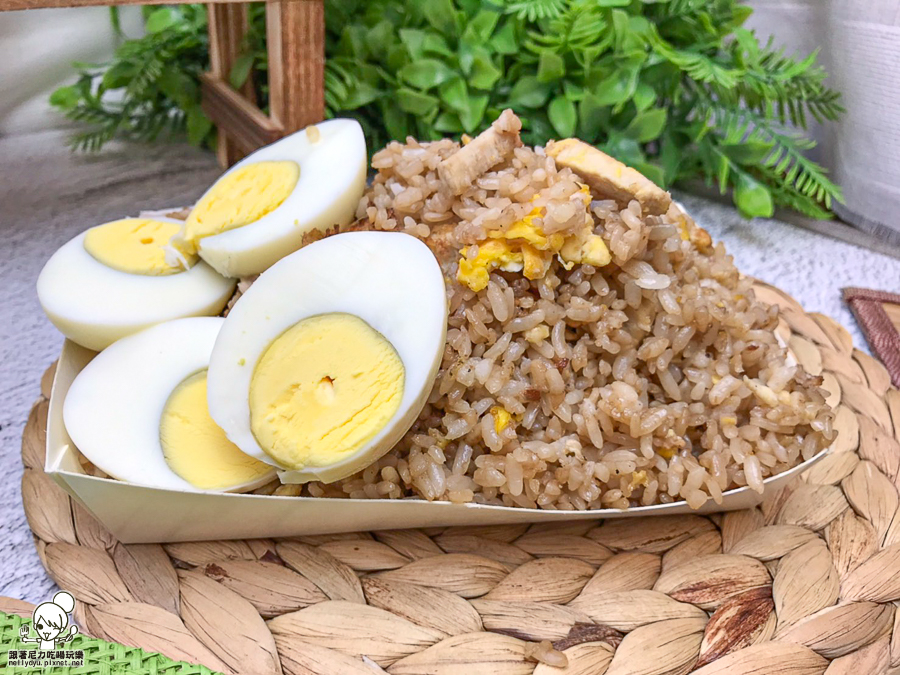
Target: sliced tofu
608,176
486,150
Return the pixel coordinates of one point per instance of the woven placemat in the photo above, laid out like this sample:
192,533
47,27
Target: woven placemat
99,657
802,585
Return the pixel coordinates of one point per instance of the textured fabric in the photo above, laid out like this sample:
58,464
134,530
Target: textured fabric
882,334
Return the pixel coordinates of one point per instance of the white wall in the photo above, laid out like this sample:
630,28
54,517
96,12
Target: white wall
36,50
796,25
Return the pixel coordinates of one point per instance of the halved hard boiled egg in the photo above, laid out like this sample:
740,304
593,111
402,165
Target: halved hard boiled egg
118,278
328,358
139,412
266,205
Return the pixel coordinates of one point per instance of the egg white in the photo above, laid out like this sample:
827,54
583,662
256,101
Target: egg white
390,280
332,179
114,407
95,305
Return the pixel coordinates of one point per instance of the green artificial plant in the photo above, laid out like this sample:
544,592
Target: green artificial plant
679,89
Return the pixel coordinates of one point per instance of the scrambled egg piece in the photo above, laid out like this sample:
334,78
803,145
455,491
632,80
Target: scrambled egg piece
692,232
502,418
537,334
639,478
475,271
524,247
671,445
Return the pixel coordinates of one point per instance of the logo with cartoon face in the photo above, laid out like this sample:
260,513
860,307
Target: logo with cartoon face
50,621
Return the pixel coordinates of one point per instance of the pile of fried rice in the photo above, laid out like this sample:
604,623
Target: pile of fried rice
601,351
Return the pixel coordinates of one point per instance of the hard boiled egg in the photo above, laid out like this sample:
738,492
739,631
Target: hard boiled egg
120,277
328,358
266,205
139,412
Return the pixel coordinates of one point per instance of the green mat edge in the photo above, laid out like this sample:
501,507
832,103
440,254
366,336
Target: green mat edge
100,657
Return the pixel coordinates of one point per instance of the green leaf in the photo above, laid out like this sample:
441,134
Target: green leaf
466,57
115,21
65,97
537,127
179,87
396,122
626,150
441,15
652,171
748,43
563,116
479,29
118,75
379,37
591,117
416,102
612,3
448,123
413,40
240,71
573,92
484,74
534,10
162,18
740,14
198,125
752,197
551,67
353,41
647,126
360,94
528,92
83,66
671,156
426,73
749,152
395,57
424,42
473,114
723,173
455,94
436,45
644,96
617,88
621,28
504,40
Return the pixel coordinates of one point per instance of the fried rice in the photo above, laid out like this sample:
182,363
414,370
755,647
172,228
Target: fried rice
655,378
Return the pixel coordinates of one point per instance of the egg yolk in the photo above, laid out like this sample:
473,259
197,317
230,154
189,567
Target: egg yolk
196,448
322,389
241,197
137,246
524,247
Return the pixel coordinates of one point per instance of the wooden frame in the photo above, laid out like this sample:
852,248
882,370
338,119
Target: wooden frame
295,34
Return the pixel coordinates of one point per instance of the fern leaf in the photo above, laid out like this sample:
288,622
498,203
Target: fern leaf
536,10
786,164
